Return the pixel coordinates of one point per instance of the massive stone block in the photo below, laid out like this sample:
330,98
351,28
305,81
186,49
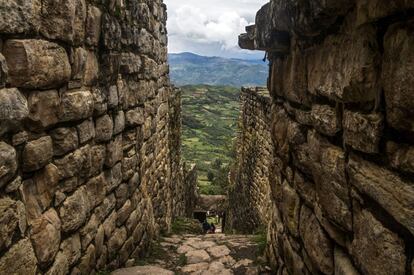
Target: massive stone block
401,156
290,209
20,259
37,153
384,186
9,221
397,75
35,64
19,17
64,20
44,109
317,244
363,132
75,210
356,78
76,105
377,249
325,119
13,105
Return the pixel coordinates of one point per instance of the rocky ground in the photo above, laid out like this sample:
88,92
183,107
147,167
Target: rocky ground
214,254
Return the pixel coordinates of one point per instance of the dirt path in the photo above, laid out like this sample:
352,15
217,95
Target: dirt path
215,254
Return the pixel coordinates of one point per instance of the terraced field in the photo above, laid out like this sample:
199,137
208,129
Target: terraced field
210,116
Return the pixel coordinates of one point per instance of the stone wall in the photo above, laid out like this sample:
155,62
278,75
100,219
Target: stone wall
249,196
89,134
342,177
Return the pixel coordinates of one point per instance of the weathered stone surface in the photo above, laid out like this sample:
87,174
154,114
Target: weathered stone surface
36,64
292,259
401,156
93,26
376,249
64,140
218,251
373,10
8,163
384,186
17,17
356,79
9,222
331,185
363,132
114,151
119,122
64,20
37,153
143,270
134,117
197,256
317,244
45,236
76,105
343,264
290,209
20,259
86,131
13,105
38,192
325,120
397,75
87,262
118,238
4,71
305,189
74,210
78,163
95,189
60,266
104,128
71,248
44,108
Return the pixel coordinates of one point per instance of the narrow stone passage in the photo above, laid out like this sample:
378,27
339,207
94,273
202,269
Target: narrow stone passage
214,254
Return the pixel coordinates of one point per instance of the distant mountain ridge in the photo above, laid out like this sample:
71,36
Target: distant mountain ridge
192,69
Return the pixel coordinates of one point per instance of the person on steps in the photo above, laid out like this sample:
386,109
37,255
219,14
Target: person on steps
206,227
213,228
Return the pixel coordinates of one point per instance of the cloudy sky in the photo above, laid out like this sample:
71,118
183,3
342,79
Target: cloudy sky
210,27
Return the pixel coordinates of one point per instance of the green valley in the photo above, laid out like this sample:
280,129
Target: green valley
210,115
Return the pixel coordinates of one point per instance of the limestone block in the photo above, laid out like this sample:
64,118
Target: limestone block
13,105
88,232
99,240
104,127
64,20
8,163
95,189
37,153
9,221
305,189
113,99
374,10
118,238
71,248
331,185
110,225
129,63
197,256
87,262
114,178
76,105
376,249
19,17
75,210
64,140
401,156
45,236
60,265
38,192
356,78
98,156
20,259
100,104
114,152
119,122
363,132
293,261
78,163
290,209
280,126
93,26
384,187
397,77
134,117
36,64
317,244
86,131
343,264
91,69
111,32
325,119
44,109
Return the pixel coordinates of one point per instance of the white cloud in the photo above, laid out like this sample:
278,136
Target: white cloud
210,27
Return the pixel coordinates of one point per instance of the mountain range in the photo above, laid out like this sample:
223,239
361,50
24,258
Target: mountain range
191,69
